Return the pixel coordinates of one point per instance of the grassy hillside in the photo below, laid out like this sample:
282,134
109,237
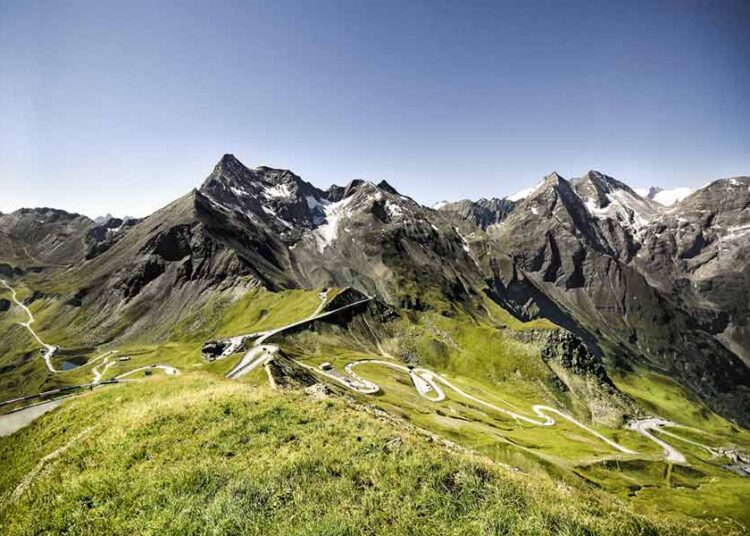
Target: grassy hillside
485,359
481,353
198,455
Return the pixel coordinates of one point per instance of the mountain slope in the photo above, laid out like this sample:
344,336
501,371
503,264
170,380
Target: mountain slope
640,282
558,333
33,238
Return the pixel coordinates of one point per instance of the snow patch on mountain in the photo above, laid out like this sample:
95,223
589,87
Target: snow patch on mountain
393,209
327,233
278,191
623,207
520,195
670,197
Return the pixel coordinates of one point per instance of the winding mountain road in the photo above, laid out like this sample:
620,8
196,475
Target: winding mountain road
646,426
428,385
10,422
168,370
426,382
257,355
49,349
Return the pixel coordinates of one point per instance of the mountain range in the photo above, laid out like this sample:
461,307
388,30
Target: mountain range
611,314
639,282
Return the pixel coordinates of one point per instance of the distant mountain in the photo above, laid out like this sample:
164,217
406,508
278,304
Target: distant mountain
664,197
103,219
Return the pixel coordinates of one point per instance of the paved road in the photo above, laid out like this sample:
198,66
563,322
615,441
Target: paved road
49,349
646,426
99,373
323,299
168,370
426,382
12,422
257,355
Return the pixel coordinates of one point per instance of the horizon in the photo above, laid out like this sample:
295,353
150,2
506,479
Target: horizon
443,102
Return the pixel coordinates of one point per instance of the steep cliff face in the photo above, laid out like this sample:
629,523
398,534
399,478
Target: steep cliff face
698,251
583,374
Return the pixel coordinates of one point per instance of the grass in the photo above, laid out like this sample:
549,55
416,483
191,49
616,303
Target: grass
257,310
25,372
198,455
487,362
478,353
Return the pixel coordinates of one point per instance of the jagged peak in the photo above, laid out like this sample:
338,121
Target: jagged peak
353,186
553,180
604,183
336,192
229,160
383,185
555,177
231,174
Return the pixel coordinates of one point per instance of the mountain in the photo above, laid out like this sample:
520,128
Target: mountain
554,331
664,197
103,219
41,237
638,282
482,213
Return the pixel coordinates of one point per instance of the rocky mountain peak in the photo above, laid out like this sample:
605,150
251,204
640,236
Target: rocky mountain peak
383,185
604,184
354,186
553,179
545,190
608,198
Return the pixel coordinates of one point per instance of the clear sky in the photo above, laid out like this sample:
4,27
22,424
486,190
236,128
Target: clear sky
124,106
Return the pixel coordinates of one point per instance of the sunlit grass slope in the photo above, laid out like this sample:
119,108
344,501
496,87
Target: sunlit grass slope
198,455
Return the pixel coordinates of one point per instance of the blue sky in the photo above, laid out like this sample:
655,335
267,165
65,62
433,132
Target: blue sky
124,106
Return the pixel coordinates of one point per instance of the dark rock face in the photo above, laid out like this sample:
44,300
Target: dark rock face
4,305
569,351
212,350
344,298
105,234
6,270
